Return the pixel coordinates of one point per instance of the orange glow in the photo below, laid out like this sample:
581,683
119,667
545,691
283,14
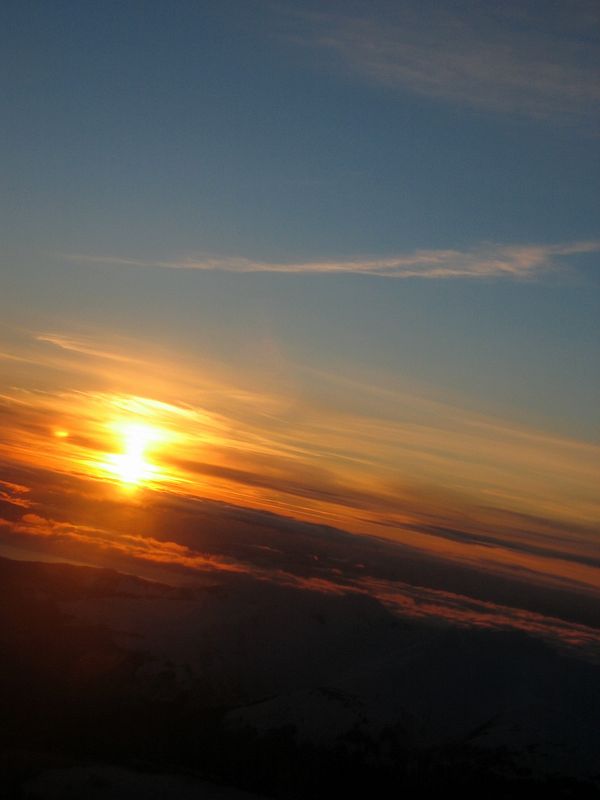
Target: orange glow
383,461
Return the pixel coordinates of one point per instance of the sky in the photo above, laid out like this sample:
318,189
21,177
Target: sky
334,262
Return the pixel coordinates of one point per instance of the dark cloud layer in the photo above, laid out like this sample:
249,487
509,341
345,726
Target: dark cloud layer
184,539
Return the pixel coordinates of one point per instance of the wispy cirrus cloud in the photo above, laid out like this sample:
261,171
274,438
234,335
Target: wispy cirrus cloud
490,261
80,345
506,58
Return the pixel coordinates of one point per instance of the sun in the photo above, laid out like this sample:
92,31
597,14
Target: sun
132,465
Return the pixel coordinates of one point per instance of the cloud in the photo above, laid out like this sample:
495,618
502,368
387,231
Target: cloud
490,261
379,460
420,602
72,518
14,494
467,536
417,511
371,459
132,546
505,58
79,345
391,575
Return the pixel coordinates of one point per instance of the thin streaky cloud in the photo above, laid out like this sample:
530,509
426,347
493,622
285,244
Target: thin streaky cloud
515,262
80,346
503,58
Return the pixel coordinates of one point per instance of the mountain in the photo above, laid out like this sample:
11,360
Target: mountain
278,690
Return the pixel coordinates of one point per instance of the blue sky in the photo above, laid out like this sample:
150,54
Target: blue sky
303,132
258,141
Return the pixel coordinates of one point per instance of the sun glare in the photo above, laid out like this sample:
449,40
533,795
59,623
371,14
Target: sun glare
132,466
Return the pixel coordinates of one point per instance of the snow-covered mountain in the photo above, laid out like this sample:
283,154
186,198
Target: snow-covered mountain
99,665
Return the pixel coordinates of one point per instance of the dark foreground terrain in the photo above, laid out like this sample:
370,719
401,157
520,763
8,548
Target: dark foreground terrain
113,686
